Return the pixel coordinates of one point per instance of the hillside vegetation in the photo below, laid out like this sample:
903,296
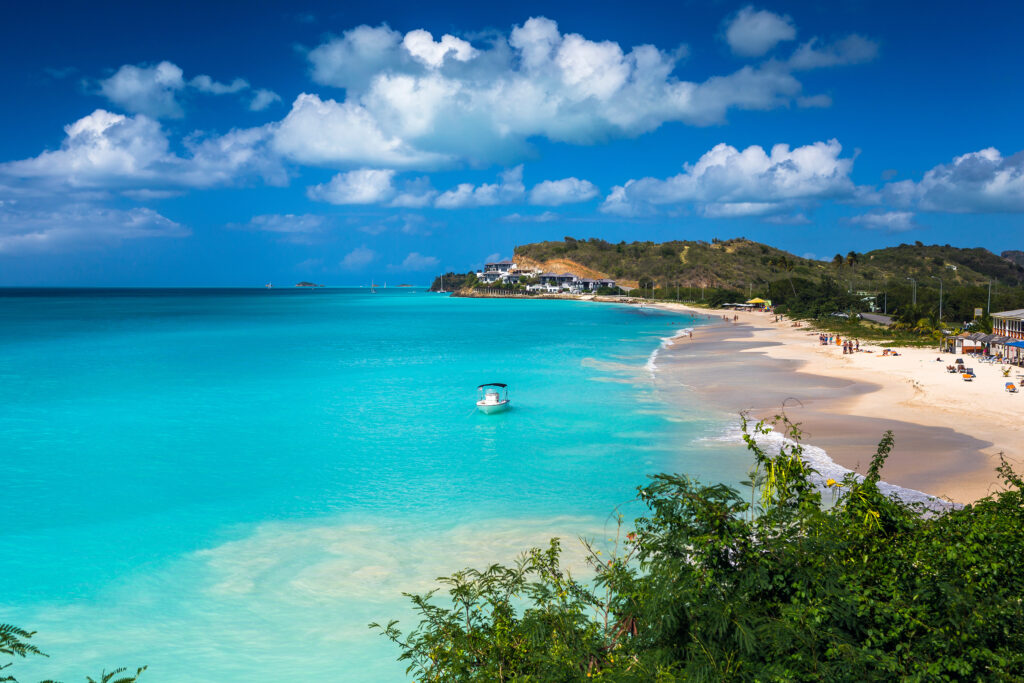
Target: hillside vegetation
928,288
741,263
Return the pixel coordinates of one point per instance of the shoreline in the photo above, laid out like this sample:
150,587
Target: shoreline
944,444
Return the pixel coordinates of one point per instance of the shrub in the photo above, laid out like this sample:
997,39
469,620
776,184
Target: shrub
713,585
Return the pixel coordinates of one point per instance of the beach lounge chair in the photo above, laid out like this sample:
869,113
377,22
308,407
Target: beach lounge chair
968,377
1011,387
951,369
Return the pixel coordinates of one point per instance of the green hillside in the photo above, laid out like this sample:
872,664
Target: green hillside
942,284
740,263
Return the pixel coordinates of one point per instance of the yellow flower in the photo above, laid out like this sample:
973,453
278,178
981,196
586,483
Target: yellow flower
830,482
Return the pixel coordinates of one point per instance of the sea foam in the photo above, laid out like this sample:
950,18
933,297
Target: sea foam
651,365
826,468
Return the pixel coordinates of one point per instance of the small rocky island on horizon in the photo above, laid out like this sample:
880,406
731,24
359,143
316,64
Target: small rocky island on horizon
308,284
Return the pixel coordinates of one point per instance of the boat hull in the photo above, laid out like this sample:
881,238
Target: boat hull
488,408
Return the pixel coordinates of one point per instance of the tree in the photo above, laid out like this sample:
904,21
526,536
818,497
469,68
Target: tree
787,266
837,261
713,585
852,258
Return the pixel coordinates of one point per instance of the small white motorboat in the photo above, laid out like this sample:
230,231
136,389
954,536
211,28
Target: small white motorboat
493,398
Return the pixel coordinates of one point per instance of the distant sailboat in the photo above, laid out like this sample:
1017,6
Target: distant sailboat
372,290
269,285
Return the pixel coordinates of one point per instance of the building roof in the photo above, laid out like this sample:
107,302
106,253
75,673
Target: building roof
506,262
1019,313
877,318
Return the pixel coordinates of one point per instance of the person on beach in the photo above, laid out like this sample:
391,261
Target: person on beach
858,345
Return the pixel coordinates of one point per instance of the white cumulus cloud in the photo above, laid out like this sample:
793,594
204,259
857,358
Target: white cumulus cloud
853,49
99,146
413,101
740,209
327,133
358,258
546,217
79,226
354,58
204,83
564,191
363,186
890,221
155,90
105,149
978,182
508,189
752,33
417,261
149,90
262,99
750,180
287,223
420,44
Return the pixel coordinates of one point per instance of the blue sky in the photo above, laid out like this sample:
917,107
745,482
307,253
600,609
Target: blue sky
240,143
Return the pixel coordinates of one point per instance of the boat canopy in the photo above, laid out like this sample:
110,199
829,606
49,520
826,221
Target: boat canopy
492,384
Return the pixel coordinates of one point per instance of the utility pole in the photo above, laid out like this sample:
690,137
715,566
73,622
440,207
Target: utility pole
940,296
915,289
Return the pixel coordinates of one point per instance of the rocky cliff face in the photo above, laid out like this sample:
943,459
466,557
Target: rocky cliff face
1015,255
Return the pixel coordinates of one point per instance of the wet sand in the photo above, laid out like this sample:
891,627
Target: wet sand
742,367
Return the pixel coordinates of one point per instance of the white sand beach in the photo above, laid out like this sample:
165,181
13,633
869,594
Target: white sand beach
949,432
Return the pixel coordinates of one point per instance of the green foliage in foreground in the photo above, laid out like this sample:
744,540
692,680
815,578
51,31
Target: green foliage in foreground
716,586
14,642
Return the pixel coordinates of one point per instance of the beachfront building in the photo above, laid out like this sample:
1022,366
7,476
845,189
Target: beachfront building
507,273
497,271
505,266
1009,327
1009,323
558,280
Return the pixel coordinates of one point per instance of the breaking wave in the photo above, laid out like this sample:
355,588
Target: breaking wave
826,468
651,365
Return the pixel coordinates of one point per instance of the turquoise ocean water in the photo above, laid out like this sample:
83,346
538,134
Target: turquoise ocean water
228,485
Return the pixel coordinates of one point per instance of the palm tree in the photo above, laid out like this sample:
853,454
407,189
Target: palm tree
837,260
851,259
787,265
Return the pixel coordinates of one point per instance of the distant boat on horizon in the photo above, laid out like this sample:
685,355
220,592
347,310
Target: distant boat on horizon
269,285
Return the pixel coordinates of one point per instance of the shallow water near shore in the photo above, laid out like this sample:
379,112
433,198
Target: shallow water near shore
229,485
